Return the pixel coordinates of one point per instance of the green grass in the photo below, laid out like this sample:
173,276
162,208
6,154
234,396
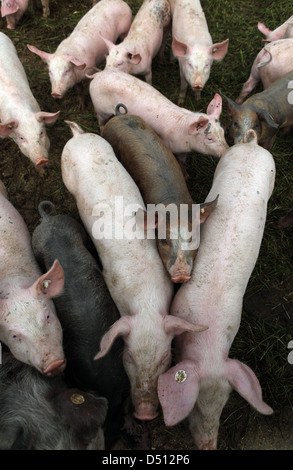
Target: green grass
263,336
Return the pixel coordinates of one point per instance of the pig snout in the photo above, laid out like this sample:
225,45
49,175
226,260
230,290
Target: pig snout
146,412
42,162
55,368
180,278
57,95
180,271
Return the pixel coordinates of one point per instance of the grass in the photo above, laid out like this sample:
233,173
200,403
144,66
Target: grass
265,330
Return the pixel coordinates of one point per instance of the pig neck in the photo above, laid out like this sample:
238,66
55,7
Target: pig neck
187,22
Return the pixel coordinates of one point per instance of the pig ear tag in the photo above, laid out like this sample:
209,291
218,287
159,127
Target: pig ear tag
46,284
77,399
180,376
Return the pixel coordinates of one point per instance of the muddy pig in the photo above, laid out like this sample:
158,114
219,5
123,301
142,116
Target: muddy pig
15,9
146,38
107,198
28,322
264,112
193,46
20,114
84,47
199,385
86,311
38,413
161,183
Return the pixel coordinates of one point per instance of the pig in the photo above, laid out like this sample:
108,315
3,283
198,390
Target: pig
198,386
145,39
181,130
281,32
193,46
159,178
41,413
28,322
265,112
86,311
84,48
132,269
20,114
270,64
15,9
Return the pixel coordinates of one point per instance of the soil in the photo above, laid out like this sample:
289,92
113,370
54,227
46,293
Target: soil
241,428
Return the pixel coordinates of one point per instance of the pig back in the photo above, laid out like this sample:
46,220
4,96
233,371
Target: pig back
147,159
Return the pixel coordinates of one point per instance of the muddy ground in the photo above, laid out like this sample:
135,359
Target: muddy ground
267,323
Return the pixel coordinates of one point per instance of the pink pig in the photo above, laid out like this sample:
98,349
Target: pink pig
14,10
281,32
270,64
20,114
84,47
28,322
192,45
183,131
199,385
132,267
145,39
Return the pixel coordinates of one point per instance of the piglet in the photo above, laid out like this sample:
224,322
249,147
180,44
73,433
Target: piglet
20,114
193,46
146,38
15,9
107,199
38,413
86,311
161,183
28,322
199,385
265,112
84,48
270,64
281,32
181,130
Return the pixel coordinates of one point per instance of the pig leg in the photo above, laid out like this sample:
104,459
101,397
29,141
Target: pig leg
183,88
250,84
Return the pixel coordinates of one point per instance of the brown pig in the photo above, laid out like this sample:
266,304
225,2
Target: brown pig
264,112
158,175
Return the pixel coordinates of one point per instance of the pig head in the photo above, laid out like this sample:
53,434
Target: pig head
146,356
178,238
254,116
29,133
65,70
195,64
13,10
28,322
180,394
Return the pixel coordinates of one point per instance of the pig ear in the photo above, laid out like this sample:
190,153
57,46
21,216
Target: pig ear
134,58
219,49
120,328
108,43
77,63
215,107
263,29
51,283
264,115
8,127
45,56
206,208
198,125
47,118
180,49
175,325
233,107
178,391
8,8
245,382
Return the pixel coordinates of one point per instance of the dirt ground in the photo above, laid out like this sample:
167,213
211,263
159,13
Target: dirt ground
268,304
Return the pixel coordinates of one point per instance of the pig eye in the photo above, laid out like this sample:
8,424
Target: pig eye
42,134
